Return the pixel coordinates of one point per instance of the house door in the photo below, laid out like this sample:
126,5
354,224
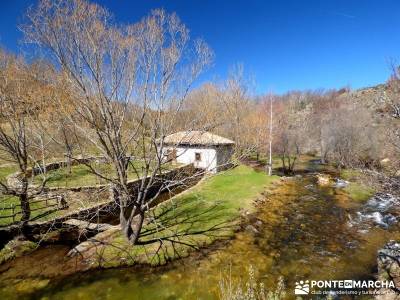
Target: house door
197,159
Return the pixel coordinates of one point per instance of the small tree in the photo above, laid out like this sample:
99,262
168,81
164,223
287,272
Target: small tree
23,94
289,130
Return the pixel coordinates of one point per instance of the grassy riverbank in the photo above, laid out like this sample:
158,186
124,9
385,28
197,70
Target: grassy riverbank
357,189
196,218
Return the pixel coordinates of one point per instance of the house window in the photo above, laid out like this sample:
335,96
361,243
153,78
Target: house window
197,156
171,155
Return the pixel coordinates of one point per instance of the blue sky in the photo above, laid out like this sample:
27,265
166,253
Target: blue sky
284,45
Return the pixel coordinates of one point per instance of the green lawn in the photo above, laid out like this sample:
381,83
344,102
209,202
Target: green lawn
81,175
205,213
6,202
6,170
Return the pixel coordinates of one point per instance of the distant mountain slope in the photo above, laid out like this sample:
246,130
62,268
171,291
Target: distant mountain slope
372,97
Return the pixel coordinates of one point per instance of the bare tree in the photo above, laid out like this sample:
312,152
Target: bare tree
129,83
270,136
390,104
235,97
23,97
393,101
290,114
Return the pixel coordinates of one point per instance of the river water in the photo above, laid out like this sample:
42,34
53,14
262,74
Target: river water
301,231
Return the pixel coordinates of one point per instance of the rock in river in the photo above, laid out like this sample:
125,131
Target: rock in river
251,229
323,179
389,269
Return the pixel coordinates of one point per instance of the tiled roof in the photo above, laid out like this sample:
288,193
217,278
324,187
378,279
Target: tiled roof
196,138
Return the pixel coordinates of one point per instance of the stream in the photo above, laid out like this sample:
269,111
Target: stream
302,231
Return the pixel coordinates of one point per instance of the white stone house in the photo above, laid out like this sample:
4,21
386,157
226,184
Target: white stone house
203,149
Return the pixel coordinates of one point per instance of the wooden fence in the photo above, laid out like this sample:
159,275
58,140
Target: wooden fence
58,202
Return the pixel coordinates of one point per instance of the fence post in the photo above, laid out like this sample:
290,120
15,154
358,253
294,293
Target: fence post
13,212
62,203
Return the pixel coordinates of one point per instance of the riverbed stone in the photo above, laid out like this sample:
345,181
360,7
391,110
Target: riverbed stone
389,268
259,223
388,260
323,179
16,248
251,229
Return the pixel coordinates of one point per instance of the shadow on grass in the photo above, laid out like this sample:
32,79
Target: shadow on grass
177,228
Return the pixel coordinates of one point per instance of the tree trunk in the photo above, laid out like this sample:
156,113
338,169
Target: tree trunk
323,153
284,163
131,227
25,208
126,226
270,140
131,217
137,227
69,160
24,200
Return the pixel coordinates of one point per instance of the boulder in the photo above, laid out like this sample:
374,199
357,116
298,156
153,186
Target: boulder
323,179
98,240
389,262
389,269
16,248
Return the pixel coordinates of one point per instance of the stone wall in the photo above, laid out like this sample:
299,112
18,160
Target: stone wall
100,210
109,209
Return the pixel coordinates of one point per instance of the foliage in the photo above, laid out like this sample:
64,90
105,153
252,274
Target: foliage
251,290
359,192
